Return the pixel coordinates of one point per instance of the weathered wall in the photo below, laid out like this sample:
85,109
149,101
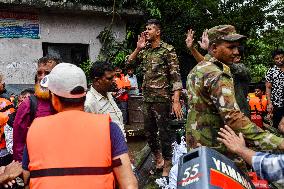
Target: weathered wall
18,56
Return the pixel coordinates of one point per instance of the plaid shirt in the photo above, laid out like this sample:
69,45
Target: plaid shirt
269,167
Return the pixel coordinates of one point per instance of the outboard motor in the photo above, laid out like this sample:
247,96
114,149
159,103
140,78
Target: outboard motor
205,168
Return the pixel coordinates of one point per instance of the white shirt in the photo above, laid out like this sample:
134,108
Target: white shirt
133,83
97,103
8,130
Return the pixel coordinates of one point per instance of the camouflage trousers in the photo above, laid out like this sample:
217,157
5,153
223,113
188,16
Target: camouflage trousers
158,132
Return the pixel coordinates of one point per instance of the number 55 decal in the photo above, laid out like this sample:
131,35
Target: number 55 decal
191,172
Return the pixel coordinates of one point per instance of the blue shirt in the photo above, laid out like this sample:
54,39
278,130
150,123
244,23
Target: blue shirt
269,166
133,83
118,145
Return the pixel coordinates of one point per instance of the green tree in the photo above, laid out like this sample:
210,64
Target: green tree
259,20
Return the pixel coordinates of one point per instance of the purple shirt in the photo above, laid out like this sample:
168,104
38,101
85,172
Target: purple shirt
22,124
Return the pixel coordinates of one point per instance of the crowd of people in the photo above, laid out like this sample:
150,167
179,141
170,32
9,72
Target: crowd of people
63,134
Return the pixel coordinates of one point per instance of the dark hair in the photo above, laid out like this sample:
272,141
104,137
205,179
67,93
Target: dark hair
277,52
130,67
99,68
260,86
47,58
42,60
55,59
155,22
241,50
73,102
27,91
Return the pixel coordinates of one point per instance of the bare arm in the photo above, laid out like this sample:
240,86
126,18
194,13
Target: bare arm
197,56
3,177
124,173
203,44
281,125
26,177
9,173
133,56
261,162
268,87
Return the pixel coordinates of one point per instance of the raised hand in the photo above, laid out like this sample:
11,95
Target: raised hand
189,38
141,43
204,43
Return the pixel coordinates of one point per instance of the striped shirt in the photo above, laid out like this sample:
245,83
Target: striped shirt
269,167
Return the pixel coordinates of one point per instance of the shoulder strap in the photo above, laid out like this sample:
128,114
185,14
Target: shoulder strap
33,107
7,108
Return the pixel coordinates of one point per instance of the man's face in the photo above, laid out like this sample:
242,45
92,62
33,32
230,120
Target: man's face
21,98
107,83
43,70
258,93
279,59
118,72
226,52
130,72
151,32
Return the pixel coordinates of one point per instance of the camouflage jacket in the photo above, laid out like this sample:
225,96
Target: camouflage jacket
212,104
161,72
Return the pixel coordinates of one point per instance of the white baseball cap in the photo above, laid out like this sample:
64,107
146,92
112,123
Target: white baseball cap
63,78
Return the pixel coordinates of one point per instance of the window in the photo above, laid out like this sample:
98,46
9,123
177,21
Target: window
74,53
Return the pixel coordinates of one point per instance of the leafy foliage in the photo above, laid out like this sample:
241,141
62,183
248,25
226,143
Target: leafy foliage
259,20
259,52
86,67
112,50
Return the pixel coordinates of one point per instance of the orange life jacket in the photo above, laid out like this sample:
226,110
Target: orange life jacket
3,120
71,149
122,82
6,107
258,104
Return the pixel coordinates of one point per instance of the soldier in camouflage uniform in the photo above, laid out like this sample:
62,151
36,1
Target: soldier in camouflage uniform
212,102
161,85
239,71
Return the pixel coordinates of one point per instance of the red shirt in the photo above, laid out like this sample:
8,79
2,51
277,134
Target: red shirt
22,124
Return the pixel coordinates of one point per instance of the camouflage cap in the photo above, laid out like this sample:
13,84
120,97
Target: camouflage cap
224,32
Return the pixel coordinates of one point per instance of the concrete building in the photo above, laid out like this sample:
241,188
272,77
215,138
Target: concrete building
30,29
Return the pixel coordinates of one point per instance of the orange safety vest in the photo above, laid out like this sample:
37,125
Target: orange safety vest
3,121
258,104
6,107
71,149
122,82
